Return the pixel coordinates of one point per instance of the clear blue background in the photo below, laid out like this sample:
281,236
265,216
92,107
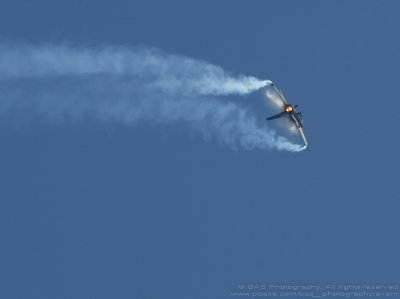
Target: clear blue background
108,211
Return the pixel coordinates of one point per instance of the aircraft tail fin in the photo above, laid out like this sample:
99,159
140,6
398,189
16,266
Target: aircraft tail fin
282,114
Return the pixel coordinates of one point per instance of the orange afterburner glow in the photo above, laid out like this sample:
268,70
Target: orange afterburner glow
289,108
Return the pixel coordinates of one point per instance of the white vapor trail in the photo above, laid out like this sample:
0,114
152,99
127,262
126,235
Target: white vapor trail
59,83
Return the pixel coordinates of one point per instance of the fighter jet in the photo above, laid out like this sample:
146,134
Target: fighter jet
290,112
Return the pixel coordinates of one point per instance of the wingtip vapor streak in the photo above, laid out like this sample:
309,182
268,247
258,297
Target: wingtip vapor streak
290,111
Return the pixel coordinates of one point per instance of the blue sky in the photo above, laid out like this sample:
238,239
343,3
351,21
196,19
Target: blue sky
104,210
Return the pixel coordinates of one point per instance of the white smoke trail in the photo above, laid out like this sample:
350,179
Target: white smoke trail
61,83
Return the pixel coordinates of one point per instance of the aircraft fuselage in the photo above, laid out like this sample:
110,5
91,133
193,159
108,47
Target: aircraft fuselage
290,112
296,117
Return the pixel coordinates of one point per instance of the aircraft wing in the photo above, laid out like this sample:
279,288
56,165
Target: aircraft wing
280,94
303,136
